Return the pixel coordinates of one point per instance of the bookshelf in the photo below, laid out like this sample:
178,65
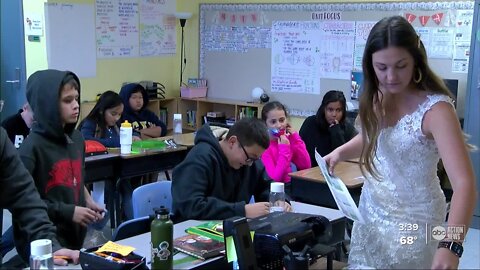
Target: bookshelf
193,110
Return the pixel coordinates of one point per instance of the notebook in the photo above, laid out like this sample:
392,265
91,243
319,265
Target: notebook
199,246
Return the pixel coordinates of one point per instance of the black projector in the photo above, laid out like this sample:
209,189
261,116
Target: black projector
295,230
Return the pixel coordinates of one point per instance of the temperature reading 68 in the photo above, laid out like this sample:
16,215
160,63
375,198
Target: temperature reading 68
407,240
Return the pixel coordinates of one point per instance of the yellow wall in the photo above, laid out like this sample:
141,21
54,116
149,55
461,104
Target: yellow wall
111,73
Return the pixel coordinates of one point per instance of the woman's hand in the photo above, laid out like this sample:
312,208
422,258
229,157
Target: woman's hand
445,259
332,159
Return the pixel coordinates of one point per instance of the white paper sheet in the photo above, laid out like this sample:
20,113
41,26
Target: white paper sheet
339,191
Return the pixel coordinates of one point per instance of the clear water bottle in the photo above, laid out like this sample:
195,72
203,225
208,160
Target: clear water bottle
277,197
177,127
126,133
162,240
41,256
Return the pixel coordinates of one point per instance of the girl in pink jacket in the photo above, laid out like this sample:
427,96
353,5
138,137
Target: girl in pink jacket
287,151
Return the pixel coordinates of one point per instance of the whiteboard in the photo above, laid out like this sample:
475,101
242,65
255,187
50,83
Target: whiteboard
236,46
70,38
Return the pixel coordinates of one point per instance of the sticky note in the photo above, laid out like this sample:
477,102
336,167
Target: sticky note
116,248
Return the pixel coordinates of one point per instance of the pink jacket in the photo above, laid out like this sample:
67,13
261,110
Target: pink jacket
277,158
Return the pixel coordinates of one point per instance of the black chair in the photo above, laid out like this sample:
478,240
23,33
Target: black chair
132,227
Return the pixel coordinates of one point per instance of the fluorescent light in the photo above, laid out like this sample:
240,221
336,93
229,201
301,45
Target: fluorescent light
183,15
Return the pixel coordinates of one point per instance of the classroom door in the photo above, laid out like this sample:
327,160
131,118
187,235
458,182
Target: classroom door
12,57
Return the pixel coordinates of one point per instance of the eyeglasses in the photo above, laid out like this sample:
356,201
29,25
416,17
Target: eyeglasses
249,160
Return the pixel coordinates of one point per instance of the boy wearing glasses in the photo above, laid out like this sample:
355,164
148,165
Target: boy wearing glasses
217,179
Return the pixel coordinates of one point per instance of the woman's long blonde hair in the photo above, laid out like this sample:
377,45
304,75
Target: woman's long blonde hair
393,31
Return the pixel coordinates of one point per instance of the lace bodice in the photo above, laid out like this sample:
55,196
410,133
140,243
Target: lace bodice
408,193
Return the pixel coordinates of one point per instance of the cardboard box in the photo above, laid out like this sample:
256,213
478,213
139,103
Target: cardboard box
190,92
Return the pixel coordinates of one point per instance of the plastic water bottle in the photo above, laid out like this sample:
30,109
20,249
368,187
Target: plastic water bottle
126,132
177,124
41,254
162,240
277,197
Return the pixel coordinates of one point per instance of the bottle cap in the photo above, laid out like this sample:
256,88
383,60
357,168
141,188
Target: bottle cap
162,210
126,124
41,247
277,187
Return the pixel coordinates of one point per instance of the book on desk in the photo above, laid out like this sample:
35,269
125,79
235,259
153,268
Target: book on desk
199,246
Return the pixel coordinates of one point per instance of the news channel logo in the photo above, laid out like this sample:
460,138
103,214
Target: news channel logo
454,233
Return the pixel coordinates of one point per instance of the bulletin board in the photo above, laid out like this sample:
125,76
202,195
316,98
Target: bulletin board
237,42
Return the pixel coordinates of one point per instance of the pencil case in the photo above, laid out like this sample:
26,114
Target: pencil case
89,260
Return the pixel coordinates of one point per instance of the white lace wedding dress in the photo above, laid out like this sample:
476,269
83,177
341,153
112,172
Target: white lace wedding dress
408,195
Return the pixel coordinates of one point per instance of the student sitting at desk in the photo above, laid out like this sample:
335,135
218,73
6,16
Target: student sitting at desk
18,125
329,128
101,124
53,153
217,179
286,152
135,99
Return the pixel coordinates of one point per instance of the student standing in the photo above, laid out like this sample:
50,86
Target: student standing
408,122
217,179
286,149
29,212
53,153
135,99
329,128
17,127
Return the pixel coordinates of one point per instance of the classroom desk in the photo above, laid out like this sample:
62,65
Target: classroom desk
309,185
132,165
102,168
142,242
114,168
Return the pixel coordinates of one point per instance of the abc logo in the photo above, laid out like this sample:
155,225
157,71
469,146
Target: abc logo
439,233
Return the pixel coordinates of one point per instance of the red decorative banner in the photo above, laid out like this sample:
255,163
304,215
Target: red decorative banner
410,17
437,18
424,20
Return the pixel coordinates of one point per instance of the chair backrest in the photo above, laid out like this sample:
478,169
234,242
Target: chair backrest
132,227
149,196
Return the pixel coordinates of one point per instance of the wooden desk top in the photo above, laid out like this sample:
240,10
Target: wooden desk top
184,139
349,172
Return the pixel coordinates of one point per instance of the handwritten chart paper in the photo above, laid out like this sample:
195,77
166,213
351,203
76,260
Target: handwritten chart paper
296,57
157,28
336,49
117,28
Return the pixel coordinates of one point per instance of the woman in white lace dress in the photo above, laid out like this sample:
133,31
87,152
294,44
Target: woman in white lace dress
408,122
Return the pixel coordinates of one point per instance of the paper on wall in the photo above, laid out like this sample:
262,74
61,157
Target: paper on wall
339,192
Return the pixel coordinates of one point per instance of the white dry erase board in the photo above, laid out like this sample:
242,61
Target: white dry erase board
297,52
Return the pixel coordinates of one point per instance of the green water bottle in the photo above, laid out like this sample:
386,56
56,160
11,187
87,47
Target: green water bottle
162,240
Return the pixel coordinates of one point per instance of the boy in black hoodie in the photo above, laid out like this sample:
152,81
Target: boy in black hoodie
144,121
54,151
217,179
29,212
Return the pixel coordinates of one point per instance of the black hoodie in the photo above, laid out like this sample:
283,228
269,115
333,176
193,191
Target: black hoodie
19,195
54,156
205,187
